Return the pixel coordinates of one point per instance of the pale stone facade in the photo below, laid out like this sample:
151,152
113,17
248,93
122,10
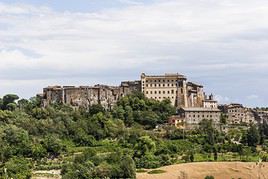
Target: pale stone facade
261,116
210,102
196,115
173,87
159,87
238,114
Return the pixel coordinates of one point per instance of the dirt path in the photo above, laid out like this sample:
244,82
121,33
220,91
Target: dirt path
220,170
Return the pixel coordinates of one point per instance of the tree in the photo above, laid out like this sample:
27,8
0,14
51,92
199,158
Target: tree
253,136
129,119
18,167
215,152
52,145
207,128
1,103
127,167
145,146
223,119
8,99
95,109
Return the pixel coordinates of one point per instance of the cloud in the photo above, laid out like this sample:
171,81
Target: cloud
222,99
252,97
219,43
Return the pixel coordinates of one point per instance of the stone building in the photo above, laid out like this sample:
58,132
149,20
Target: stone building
159,87
238,114
173,87
127,87
85,96
209,102
195,115
261,116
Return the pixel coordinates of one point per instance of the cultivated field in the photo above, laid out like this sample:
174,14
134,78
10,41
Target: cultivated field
220,170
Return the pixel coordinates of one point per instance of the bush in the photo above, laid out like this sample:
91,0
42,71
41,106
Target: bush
18,167
156,172
209,177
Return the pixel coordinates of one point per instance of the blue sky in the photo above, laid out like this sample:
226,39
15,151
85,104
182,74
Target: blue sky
220,44
81,5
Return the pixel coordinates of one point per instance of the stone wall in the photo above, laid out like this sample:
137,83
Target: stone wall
85,96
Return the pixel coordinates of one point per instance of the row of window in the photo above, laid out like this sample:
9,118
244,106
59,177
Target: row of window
198,116
235,111
161,85
163,80
162,97
161,92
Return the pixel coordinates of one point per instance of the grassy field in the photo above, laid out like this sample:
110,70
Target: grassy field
220,170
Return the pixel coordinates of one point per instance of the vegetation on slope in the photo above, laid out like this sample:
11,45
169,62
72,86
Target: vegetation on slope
94,143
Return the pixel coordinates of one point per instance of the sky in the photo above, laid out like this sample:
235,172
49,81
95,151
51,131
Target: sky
221,44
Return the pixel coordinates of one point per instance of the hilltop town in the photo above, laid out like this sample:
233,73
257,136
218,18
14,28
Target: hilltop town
106,131
192,103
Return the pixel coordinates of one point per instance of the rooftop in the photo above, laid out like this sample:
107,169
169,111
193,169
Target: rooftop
198,109
166,75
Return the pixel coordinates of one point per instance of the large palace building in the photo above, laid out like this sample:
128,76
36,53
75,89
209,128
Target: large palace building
173,87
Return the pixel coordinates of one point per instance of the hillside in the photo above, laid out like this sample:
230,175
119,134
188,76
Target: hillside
220,170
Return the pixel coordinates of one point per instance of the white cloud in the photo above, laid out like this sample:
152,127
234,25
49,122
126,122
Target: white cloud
199,38
252,97
222,99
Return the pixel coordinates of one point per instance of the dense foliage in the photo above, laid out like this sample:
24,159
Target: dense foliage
95,143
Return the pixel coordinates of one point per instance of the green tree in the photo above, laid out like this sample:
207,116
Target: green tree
206,127
19,168
223,119
253,136
9,99
129,119
127,167
145,146
95,109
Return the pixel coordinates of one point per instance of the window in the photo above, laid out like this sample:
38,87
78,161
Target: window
168,92
151,92
159,92
146,92
155,92
172,91
164,92
163,85
146,85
